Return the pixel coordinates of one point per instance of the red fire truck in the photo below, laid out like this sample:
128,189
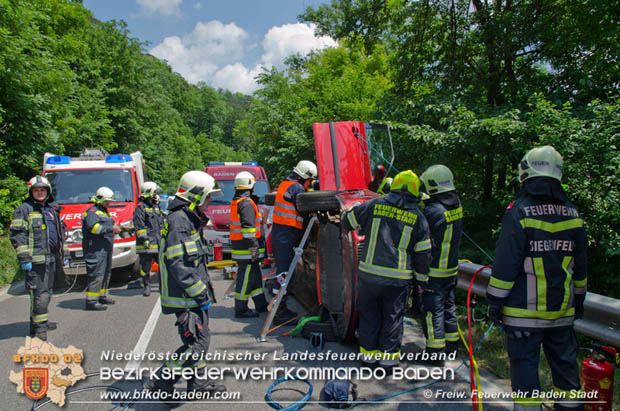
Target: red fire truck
74,181
219,208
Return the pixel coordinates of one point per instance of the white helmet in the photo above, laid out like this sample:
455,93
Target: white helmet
244,181
39,181
196,186
149,189
305,169
438,179
541,162
102,194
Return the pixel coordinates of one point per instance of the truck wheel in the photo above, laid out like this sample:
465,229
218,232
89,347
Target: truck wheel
317,201
324,328
270,199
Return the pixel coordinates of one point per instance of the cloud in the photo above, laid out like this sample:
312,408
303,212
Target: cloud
213,52
163,7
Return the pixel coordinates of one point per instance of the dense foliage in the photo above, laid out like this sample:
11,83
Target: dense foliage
68,82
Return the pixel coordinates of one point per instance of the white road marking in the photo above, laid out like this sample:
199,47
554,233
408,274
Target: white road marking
145,337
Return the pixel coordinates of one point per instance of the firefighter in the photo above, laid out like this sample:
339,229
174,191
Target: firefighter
396,252
37,234
185,286
444,214
148,221
538,282
98,229
247,247
287,229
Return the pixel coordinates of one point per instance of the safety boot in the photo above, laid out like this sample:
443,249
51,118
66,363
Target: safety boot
95,306
246,314
41,335
283,314
161,394
106,300
51,325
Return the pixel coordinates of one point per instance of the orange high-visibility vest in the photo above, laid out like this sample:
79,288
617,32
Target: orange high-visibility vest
284,212
236,232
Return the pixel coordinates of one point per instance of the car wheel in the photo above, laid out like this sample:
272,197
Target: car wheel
317,201
324,328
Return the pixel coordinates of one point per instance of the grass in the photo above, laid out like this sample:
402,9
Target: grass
9,266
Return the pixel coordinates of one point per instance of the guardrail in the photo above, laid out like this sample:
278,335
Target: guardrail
601,317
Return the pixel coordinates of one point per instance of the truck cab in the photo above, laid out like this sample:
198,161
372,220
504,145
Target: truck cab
219,208
74,181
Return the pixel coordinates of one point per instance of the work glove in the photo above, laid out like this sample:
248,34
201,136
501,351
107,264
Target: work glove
516,334
578,311
27,266
495,314
189,326
206,306
147,244
254,254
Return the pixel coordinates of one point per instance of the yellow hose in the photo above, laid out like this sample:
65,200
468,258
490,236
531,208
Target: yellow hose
475,364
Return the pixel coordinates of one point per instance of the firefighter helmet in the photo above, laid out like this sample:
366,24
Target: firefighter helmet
438,179
541,162
244,181
196,186
40,181
407,180
149,189
305,169
102,194
385,186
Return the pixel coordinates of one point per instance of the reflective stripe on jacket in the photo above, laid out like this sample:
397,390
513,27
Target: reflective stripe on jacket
397,245
185,282
284,212
245,227
540,268
148,221
29,233
444,214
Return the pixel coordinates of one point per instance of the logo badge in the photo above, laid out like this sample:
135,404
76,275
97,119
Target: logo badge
35,382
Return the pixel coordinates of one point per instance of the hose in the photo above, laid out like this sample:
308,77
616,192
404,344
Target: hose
295,406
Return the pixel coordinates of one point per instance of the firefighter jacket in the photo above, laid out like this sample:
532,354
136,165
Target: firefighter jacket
397,245
284,209
245,227
444,214
148,221
185,282
30,234
539,273
97,231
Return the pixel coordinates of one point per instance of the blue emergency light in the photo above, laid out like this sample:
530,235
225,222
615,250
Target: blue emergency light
250,163
213,163
118,158
59,160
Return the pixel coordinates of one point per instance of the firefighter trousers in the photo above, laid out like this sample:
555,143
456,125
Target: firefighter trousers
381,313
98,271
439,313
284,250
188,356
249,283
146,261
560,346
39,283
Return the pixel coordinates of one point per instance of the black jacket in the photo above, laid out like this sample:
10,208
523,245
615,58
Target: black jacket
185,282
97,231
540,269
247,217
444,214
148,221
29,234
397,243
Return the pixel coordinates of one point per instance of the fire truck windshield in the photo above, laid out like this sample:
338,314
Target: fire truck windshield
78,186
228,189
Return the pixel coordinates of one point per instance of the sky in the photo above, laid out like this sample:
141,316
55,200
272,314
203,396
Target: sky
224,43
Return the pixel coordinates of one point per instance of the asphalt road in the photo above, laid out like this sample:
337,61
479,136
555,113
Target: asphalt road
135,323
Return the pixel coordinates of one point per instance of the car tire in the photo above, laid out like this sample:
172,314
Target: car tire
270,199
317,201
323,327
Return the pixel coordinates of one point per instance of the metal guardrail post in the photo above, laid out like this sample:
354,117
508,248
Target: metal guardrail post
601,318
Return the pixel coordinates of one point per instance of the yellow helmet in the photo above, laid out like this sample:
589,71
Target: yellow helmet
541,162
407,180
438,179
244,181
